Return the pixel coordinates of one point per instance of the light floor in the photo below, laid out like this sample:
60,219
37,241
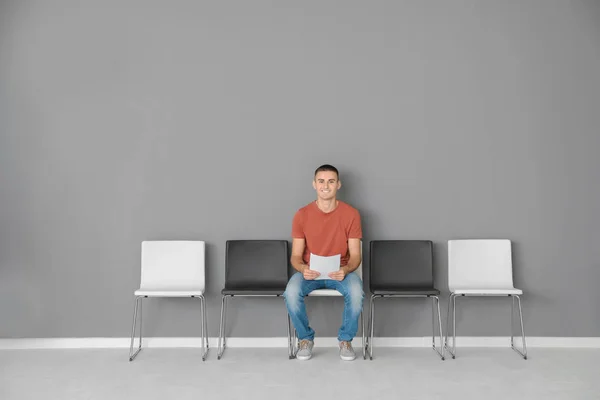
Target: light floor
395,373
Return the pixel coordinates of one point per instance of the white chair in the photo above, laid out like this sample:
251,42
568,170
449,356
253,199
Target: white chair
481,268
335,293
171,269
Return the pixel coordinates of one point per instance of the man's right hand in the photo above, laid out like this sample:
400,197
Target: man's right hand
310,274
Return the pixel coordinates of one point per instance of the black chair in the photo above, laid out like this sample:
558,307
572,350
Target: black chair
402,268
254,268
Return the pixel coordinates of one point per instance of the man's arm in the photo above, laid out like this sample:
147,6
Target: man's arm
353,262
355,256
297,261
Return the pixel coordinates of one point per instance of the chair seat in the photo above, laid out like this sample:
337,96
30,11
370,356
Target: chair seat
325,292
162,292
487,292
252,292
407,291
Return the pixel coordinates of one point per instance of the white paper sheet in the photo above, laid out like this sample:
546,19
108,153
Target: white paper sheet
325,265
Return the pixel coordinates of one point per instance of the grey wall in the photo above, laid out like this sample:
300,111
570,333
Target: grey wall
144,120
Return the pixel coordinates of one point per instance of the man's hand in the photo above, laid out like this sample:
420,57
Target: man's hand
310,274
338,275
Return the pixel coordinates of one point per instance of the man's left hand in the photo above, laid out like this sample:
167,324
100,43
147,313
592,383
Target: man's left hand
338,275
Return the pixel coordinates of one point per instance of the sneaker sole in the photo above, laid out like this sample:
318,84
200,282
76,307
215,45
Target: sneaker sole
347,358
303,358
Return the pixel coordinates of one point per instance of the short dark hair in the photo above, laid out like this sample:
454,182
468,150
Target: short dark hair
327,167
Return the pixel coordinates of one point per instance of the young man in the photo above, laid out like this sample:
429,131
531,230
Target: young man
326,227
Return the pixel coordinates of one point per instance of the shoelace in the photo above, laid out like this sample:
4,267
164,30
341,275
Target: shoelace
345,344
303,344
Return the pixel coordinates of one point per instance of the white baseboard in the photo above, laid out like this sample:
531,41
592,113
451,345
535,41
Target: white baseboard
172,342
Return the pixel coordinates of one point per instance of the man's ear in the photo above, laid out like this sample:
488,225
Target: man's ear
314,185
339,184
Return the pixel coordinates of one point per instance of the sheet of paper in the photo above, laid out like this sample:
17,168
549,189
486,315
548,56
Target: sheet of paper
324,265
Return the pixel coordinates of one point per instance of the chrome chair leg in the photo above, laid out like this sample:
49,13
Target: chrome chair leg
291,354
204,330
372,325
295,341
523,353
222,342
433,321
206,326
436,301
451,306
364,341
138,300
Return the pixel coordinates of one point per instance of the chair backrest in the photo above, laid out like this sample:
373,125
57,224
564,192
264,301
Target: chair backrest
173,264
401,263
256,264
479,264
359,269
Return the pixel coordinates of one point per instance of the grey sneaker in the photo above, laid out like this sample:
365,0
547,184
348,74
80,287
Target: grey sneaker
346,351
305,350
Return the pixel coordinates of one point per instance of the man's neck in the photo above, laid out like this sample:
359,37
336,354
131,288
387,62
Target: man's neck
327,206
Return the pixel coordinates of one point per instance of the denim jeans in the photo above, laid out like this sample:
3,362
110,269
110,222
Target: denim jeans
352,290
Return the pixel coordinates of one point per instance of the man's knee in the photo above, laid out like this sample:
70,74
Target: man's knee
293,290
355,293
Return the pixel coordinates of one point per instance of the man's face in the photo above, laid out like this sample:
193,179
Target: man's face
326,184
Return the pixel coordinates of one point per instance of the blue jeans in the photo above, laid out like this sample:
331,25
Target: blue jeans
352,290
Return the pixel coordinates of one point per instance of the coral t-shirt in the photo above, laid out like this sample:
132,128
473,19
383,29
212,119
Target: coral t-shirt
327,234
